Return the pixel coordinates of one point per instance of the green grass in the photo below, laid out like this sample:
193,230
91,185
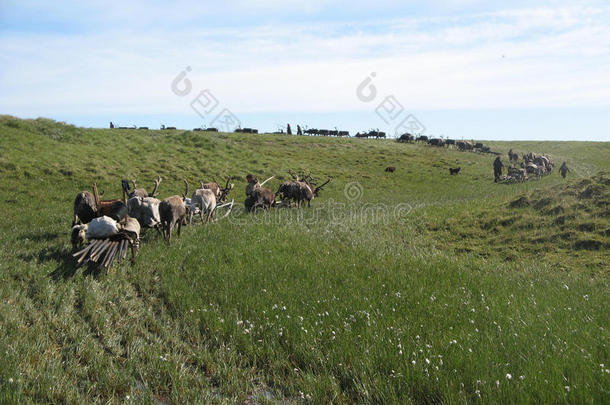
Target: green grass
348,301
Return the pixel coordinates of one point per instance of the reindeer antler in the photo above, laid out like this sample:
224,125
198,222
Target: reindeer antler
186,192
96,195
263,183
157,182
323,184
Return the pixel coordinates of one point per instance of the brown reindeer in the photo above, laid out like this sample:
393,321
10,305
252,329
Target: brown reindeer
258,196
88,206
172,212
301,188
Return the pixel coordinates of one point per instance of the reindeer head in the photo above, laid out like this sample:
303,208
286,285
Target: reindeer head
224,192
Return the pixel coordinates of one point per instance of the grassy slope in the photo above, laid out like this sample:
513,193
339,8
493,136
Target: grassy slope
335,305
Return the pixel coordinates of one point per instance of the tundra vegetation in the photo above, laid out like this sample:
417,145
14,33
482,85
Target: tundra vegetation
482,292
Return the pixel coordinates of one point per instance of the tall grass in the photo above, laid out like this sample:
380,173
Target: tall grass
330,304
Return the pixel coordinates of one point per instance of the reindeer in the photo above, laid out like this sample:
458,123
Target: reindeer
300,190
115,209
220,192
88,206
257,195
307,192
204,200
172,211
85,208
145,210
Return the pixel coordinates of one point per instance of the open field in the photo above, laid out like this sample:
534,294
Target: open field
405,287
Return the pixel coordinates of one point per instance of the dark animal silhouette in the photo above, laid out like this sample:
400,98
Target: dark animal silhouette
453,171
405,138
390,169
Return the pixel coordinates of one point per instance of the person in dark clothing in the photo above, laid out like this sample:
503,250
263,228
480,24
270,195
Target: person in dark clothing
497,169
288,130
299,132
111,125
564,170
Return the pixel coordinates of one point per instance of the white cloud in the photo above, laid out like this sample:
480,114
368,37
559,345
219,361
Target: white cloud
543,57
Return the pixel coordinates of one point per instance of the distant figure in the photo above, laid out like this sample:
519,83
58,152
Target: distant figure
564,170
162,126
454,170
288,130
299,132
111,125
512,156
497,169
390,169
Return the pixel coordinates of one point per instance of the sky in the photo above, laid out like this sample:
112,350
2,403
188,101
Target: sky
463,69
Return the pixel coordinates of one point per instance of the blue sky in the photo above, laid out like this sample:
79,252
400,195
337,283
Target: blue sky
463,68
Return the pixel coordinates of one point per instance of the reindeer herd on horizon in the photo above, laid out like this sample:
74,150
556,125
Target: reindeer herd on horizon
112,227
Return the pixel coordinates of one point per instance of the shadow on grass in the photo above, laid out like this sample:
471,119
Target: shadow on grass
67,263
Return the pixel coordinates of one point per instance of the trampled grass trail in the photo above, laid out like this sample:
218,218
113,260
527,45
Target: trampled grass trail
420,287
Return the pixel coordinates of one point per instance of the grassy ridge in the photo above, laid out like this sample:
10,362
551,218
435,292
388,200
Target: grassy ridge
337,303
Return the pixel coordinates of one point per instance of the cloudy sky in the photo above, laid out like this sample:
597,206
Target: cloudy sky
460,68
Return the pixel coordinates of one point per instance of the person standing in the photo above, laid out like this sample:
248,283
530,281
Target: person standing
564,170
288,130
497,169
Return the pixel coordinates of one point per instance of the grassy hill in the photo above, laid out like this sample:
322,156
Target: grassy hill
404,287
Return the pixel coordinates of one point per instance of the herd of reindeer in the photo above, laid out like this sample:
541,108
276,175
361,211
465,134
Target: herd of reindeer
112,227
